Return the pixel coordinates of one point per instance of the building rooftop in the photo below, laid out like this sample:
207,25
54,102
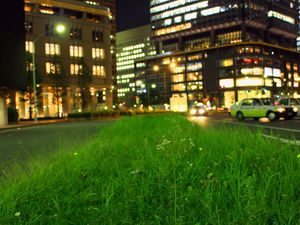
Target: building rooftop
74,5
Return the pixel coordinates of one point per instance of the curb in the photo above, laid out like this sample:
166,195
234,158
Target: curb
30,124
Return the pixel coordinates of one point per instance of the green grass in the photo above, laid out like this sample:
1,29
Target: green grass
160,170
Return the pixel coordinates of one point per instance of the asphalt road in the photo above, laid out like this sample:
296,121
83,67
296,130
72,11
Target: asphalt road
19,145
280,129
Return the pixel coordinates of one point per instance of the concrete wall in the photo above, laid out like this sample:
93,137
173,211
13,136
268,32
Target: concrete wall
3,110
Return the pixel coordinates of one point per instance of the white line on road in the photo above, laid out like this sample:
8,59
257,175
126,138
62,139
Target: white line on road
293,142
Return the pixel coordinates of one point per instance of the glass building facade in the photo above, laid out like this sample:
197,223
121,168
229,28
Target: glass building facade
224,51
132,44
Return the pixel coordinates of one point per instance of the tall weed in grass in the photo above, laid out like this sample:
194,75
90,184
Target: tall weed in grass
161,170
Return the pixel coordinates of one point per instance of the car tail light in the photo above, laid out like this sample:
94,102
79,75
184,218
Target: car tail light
276,103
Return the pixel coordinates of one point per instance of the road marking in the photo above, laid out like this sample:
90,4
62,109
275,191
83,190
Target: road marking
283,140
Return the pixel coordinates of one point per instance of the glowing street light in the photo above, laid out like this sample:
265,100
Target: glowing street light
156,68
59,28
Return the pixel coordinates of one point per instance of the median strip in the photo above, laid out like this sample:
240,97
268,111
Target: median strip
283,140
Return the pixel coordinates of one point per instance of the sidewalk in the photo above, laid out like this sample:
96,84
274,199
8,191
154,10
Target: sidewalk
21,124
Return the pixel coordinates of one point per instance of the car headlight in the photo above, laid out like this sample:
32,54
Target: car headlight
295,109
201,111
281,110
193,111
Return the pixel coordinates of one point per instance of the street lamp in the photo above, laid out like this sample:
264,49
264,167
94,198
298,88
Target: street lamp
59,28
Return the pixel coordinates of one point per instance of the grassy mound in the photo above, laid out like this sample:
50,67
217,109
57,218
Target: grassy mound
160,170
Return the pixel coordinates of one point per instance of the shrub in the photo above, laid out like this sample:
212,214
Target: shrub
80,115
12,114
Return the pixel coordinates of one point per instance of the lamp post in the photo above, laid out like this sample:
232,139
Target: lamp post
153,86
59,29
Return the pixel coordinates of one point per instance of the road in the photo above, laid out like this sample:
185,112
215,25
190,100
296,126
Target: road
18,145
282,129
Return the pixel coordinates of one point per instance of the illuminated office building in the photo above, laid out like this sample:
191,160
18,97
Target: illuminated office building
132,44
226,50
87,36
111,4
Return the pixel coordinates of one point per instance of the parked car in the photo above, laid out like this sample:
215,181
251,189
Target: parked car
198,109
261,107
294,102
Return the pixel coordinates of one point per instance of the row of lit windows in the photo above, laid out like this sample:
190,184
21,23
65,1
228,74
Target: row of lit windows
181,10
140,65
257,71
129,62
170,5
124,81
123,90
75,51
75,69
173,29
194,76
125,76
281,16
131,57
127,67
156,2
249,61
232,37
191,86
133,47
190,15
197,43
254,81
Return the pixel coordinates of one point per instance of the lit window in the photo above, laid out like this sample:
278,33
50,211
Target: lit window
75,69
76,51
177,19
190,16
29,66
226,83
226,62
168,22
98,71
97,53
52,49
52,68
29,46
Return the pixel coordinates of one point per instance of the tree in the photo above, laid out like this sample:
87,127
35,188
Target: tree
58,81
27,94
85,79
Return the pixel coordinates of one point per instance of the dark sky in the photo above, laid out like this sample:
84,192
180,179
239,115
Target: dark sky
132,13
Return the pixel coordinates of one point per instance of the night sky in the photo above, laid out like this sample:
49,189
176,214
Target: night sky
132,13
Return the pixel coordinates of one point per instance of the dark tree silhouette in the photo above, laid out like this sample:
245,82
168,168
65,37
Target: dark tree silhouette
85,79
